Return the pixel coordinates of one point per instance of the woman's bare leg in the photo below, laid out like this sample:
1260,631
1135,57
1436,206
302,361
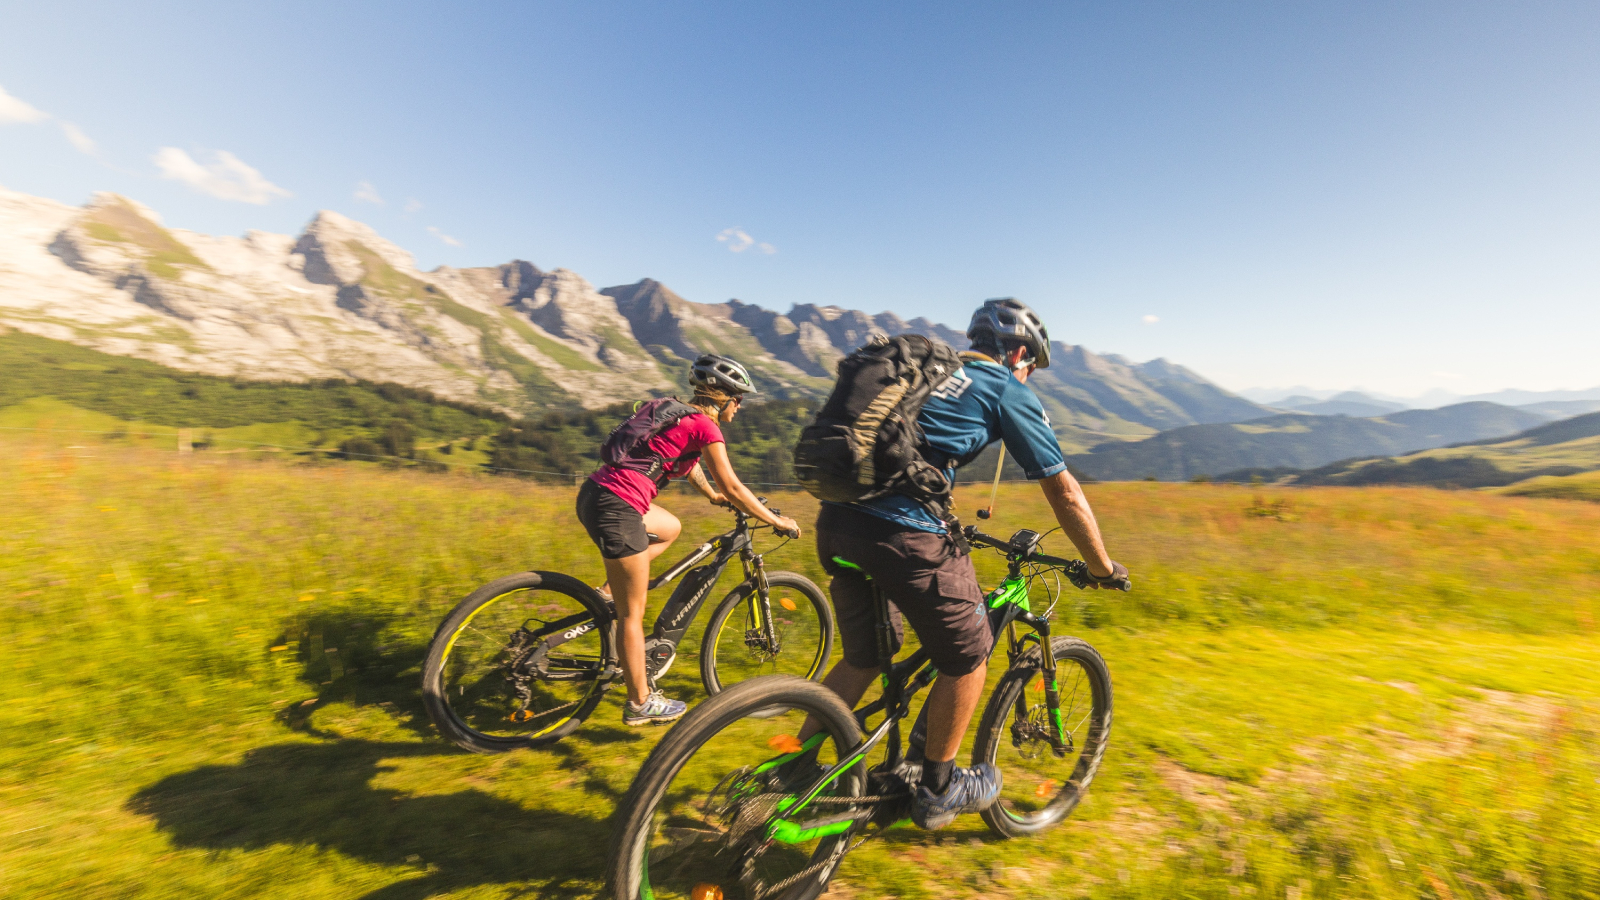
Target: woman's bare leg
628,580
630,577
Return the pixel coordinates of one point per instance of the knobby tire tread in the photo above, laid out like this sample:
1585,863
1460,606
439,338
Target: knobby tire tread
992,732
805,586
669,756
433,664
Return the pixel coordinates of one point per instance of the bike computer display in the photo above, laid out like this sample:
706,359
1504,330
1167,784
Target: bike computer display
1024,542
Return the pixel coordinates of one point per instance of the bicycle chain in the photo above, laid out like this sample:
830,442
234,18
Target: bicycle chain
813,869
807,872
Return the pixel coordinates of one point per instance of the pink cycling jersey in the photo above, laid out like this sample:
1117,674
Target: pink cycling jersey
688,435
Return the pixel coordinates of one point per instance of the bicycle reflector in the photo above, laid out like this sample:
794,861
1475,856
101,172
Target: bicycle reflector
706,892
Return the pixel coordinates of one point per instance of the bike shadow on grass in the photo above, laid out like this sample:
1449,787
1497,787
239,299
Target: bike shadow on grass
359,659
320,795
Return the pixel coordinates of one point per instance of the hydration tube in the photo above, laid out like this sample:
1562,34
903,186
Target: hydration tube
995,490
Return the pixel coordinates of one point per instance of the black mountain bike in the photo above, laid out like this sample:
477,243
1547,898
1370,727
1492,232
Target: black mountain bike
523,661
726,807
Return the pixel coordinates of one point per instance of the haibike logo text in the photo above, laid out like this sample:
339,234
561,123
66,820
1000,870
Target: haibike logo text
691,603
585,628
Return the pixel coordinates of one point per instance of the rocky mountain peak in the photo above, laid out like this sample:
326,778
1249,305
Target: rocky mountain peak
330,257
340,301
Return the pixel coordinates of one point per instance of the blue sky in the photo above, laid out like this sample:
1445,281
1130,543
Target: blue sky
1400,196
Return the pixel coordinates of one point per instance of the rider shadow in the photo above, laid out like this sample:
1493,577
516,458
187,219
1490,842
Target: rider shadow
320,795
357,659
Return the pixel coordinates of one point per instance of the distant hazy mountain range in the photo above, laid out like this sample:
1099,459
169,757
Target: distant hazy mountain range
338,301
1348,403
1296,441
1565,448
1571,402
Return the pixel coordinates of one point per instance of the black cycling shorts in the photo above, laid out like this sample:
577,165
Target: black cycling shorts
614,526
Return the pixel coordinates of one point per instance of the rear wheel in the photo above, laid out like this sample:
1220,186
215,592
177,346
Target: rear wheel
736,647
521,662
1042,788
696,821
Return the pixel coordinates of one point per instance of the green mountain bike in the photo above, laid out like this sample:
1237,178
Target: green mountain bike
523,661
729,806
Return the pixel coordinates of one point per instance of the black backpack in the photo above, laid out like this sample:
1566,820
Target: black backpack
865,442
628,444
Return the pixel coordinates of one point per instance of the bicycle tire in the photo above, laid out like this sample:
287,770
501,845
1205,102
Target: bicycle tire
434,690
627,862
992,736
711,675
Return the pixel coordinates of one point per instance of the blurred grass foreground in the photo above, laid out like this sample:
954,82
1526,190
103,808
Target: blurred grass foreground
209,690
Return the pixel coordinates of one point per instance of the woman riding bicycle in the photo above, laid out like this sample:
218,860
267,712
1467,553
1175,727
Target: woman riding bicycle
617,507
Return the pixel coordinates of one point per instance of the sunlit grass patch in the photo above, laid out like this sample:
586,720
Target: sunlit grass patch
1385,692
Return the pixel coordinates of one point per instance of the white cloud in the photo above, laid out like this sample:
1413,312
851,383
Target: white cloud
413,204
1149,319
78,139
16,112
444,237
366,192
738,241
226,178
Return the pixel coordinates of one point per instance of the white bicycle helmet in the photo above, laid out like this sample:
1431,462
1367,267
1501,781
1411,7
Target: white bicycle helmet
719,373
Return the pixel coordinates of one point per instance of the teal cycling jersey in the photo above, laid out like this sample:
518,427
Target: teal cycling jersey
980,404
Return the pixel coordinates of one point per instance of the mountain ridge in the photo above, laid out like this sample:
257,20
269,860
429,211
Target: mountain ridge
1297,441
340,301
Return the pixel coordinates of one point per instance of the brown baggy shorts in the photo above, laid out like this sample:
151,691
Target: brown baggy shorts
926,578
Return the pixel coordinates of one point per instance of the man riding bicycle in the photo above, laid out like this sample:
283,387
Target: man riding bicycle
924,569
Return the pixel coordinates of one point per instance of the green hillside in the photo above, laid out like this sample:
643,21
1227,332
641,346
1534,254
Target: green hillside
1582,486
76,395
1558,449
1295,441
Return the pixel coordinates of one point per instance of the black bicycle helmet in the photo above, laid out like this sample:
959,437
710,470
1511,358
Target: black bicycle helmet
719,373
1007,318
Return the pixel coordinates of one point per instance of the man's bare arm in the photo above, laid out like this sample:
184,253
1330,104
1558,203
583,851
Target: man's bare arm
1077,520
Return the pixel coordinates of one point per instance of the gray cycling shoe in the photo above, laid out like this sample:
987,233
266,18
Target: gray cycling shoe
655,710
969,791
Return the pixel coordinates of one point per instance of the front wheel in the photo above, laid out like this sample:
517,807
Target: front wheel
700,819
739,646
521,662
1042,786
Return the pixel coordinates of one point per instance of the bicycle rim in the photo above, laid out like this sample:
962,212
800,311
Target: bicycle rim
708,827
1040,787
741,649
522,665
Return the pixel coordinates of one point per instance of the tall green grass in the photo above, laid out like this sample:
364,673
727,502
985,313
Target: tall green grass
209,690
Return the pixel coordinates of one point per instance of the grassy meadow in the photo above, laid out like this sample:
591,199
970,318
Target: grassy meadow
209,690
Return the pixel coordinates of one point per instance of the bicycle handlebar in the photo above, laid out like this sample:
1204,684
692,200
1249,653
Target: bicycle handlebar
772,509
1076,570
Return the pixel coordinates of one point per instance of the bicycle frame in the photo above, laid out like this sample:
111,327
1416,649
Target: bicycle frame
687,599
690,595
1008,605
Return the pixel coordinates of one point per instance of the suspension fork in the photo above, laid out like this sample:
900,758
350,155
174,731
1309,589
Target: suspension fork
1052,689
755,572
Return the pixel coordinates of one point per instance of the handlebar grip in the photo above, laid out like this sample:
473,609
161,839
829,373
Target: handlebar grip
978,537
788,534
